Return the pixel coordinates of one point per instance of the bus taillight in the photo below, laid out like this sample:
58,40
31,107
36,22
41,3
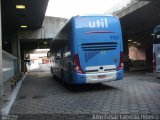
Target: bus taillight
121,61
77,66
154,61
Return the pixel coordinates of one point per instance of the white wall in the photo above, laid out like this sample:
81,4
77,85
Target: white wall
137,53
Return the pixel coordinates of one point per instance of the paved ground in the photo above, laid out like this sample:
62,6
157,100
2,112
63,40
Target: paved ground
7,92
47,98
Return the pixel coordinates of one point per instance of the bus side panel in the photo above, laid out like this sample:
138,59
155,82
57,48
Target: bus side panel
120,74
71,76
156,51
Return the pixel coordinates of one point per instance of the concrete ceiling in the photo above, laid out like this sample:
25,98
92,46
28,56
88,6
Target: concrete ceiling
32,16
139,25
12,18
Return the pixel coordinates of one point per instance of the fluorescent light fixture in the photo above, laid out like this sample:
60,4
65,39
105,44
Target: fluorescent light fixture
45,43
42,50
129,40
139,44
135,42
20,6
24,26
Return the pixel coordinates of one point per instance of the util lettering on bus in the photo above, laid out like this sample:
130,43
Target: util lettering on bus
98,23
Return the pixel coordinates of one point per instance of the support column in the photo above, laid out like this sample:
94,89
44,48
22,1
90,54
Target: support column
125,52
149,57
16,51
1,66
19,53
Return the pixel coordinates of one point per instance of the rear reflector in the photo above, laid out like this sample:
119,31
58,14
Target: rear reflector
77,66
121,61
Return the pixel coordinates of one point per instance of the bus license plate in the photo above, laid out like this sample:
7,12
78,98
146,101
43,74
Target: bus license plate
101,76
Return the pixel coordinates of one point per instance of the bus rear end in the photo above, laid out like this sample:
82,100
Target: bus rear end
99,53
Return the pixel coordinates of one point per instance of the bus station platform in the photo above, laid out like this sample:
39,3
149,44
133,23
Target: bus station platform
43,97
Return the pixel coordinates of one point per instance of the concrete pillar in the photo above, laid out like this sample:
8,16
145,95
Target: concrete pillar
149,57
1,66
23,65
16,51
19,52
125,52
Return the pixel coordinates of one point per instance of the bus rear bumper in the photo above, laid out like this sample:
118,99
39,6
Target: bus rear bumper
97,78
101,77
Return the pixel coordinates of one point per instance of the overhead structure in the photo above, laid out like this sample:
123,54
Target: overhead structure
61,38
139,24
18,14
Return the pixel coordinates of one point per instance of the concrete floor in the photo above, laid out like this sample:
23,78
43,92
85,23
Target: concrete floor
41,96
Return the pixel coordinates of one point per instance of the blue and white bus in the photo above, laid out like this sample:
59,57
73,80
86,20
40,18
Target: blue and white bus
88,49
156,51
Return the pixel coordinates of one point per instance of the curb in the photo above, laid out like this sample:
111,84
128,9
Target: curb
6,109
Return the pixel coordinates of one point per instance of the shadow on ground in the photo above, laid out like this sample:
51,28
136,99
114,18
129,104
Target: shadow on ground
84,87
